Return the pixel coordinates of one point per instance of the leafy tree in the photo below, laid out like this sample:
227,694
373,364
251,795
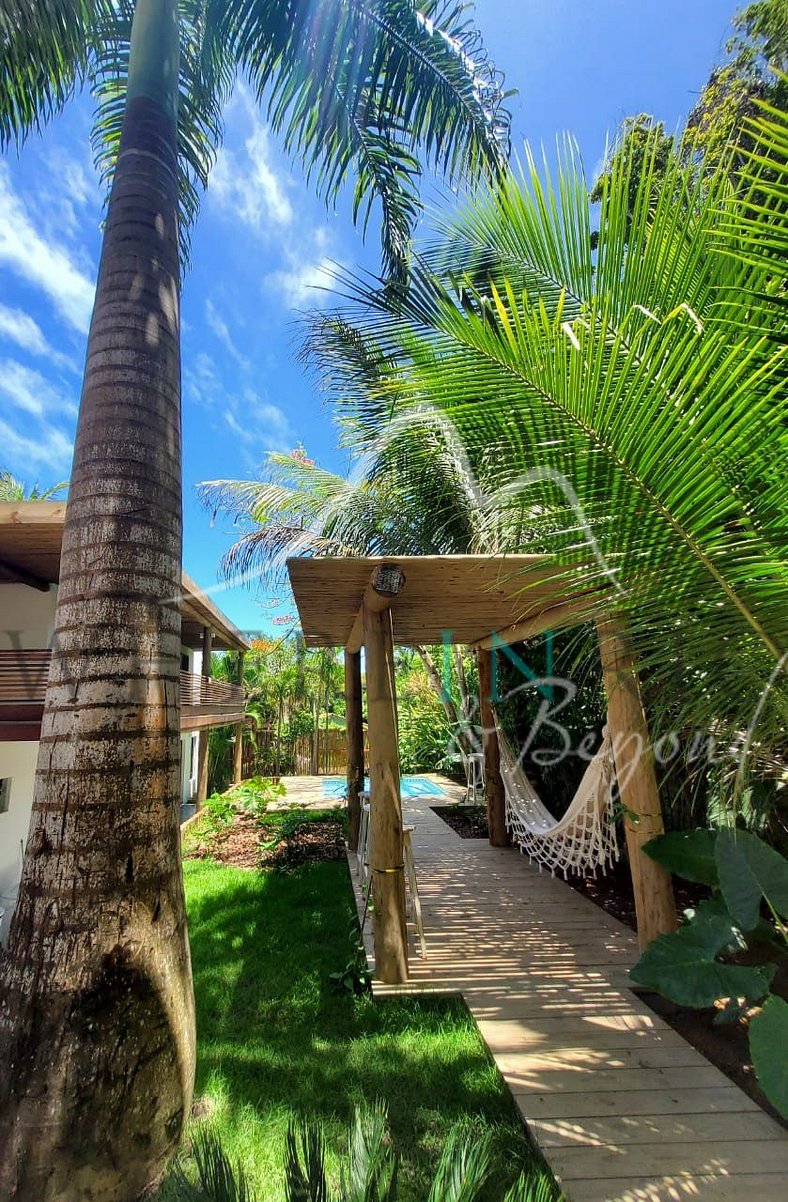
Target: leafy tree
96,1013
718,132
718,128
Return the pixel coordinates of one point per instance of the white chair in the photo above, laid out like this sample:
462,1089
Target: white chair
474,771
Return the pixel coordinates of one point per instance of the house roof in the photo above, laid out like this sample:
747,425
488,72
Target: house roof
469,599
31,533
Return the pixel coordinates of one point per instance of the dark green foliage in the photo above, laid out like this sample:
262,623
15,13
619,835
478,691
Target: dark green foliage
750,871
768,1041
689,854
683,966
745,874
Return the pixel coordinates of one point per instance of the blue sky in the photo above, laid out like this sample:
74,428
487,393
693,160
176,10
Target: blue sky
263,242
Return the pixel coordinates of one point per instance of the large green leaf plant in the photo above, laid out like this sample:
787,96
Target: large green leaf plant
747,911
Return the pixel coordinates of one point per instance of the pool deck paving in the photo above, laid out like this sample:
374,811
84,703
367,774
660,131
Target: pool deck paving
623,1108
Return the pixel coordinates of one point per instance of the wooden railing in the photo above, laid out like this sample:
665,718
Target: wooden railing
23,680
204,697
23,677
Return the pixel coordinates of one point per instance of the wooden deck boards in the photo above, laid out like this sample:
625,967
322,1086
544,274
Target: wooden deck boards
624,1109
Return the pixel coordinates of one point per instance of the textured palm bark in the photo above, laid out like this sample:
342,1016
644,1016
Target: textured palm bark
96,1012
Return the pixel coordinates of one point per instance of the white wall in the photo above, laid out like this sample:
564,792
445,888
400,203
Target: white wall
17,762
27,617
189,750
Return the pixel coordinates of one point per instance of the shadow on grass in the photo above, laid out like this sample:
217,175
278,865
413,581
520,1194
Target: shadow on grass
276,1041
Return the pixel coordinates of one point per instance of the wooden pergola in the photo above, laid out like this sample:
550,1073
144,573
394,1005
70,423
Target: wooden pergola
484,602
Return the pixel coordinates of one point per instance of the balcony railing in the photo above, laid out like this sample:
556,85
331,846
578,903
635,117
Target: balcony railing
23,679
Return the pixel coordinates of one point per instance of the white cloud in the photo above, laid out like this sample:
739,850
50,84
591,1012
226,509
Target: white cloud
19,327
31,392
249,185
49,448
307,275
48,265
258,425
220,328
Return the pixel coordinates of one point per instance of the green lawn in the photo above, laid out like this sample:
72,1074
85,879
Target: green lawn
276,1041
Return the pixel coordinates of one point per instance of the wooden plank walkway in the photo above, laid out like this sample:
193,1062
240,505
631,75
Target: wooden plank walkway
624,1109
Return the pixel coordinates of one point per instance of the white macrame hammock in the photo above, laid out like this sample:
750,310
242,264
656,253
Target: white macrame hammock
585,838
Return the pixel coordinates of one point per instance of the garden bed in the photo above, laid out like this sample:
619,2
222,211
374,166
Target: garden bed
469,821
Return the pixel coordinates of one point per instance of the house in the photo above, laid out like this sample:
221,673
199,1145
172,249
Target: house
31,534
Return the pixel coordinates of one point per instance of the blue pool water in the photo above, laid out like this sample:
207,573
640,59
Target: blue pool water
411,786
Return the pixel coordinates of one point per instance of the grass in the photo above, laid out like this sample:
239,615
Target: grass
276,1041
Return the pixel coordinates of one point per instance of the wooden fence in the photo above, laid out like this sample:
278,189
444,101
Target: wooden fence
308,755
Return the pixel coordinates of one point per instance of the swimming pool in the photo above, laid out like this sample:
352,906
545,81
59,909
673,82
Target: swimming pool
410,786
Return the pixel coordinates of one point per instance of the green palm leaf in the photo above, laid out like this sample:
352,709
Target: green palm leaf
618,412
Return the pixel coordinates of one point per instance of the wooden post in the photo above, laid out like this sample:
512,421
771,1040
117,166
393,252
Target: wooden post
634,759
493,783
355,744
386,840
238,749
202,750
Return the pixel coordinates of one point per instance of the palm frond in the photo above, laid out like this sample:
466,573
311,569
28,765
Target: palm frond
370,1174
756,230
217,1177
45,51
617,411
360,84
12,489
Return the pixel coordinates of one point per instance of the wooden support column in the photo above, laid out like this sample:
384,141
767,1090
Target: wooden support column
493,783
634,759
238,749
386,842
355,744
202,753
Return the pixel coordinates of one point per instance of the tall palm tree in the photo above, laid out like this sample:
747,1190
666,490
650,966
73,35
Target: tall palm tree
12,489
96,1014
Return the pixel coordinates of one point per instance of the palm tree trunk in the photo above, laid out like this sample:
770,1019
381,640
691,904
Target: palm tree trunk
96,1009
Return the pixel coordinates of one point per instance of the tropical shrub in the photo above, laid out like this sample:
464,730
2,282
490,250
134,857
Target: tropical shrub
368,1174
747,911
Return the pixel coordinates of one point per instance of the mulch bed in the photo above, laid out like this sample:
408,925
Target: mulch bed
239,845
309,844
470,822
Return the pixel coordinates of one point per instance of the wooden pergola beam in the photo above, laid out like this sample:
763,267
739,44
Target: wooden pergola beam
385,583
494,796
577,610
655,906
